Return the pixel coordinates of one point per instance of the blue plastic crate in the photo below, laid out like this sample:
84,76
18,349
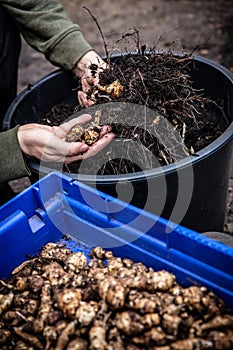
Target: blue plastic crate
57,205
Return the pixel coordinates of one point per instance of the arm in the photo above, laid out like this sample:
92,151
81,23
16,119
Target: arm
12,162
47,28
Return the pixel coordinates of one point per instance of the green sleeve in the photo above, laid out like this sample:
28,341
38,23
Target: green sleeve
12,164
46,27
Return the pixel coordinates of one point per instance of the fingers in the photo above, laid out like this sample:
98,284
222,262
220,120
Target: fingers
105,138
57,150
82,119
72,155
105,129
83,100
86,76
64,128
75,149
87,82
99,145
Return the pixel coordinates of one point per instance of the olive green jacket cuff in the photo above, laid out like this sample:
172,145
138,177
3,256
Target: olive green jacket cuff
12,164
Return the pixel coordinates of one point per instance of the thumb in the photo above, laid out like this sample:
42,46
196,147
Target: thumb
76,148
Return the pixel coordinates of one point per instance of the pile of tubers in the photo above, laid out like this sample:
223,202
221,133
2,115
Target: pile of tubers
63,300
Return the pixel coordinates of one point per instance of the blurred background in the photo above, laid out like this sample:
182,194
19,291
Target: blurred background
205,27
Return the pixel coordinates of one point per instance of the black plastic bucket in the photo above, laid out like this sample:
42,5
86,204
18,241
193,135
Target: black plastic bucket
191,192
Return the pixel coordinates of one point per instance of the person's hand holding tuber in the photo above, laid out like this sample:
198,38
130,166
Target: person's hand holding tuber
49,143
88,79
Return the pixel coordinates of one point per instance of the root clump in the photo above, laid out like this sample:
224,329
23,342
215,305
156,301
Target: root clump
150,98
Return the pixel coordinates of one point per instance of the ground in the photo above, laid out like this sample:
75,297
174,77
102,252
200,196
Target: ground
203,26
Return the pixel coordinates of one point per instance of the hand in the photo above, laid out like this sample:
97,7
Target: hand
83,71
48,143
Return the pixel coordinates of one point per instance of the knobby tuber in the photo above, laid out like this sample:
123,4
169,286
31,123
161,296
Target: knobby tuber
61,300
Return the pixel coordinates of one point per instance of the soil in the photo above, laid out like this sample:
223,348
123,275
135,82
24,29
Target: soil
159,90
203,26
